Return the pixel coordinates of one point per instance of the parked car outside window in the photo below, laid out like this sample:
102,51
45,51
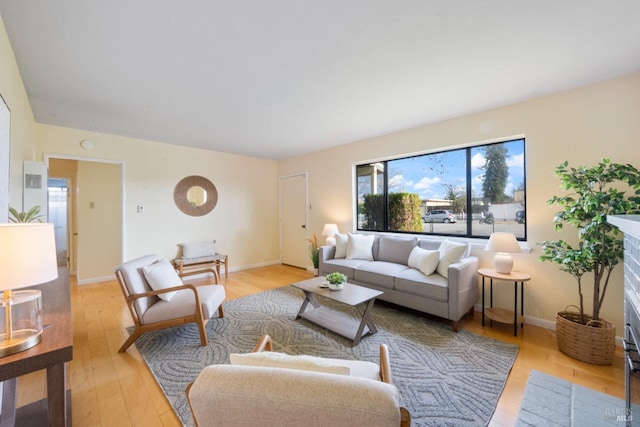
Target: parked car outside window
439,216
520,217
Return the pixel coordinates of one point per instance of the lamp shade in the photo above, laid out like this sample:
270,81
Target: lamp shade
504,244
330,230
27,255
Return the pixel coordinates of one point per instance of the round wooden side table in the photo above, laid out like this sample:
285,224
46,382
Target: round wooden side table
500,314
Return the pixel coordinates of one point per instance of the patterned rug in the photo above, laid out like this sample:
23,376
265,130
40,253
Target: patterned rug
444,378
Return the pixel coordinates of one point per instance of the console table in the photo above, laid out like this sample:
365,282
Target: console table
52,353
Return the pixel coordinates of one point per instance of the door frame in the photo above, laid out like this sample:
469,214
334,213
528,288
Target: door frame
48,156
306,208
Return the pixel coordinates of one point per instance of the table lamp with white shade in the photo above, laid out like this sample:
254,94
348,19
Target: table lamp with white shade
330,230
504,244
27,258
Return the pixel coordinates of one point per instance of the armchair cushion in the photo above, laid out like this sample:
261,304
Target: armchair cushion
198,249
232,395
281,360
181,305
161,275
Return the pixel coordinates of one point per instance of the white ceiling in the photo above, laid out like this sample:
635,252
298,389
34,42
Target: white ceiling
279,78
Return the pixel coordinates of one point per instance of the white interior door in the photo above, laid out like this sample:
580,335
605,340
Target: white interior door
293,221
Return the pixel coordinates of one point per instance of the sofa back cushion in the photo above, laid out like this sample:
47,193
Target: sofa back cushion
395,249
424,260
429,244
450,253
360,246
341,246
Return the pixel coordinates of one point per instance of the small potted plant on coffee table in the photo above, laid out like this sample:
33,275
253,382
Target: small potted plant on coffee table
336,280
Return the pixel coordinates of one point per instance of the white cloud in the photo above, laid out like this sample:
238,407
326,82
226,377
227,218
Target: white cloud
516,161
427,183
399,183
478,161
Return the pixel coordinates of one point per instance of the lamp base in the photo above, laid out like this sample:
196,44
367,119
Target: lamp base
20,321
503,263
21,341
331,241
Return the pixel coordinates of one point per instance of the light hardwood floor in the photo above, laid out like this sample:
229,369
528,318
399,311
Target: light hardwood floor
110,388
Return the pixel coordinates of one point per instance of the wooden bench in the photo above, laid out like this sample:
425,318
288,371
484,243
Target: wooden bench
211,264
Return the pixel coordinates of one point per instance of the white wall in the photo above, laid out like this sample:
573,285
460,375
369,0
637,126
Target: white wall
244,222
22,121
581,125
99,220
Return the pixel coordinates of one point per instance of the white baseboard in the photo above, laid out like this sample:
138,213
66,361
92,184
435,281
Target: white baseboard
543,323
248,267
96,280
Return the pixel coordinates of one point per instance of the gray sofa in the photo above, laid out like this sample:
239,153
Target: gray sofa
388,271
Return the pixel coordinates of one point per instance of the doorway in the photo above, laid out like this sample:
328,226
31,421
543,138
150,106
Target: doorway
293,221
59,215
94,215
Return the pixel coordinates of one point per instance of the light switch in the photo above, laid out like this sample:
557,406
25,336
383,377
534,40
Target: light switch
92,205
140,209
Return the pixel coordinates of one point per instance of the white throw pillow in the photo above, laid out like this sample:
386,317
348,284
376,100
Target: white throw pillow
273,359
424,260
450,253
341,246
360,246
161,275
198,249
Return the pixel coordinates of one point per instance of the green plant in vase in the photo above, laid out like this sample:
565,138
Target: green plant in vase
336,280
314,252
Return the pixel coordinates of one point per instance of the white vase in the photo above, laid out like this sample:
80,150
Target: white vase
336,286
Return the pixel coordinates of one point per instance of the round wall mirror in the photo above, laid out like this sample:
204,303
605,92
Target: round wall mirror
195,195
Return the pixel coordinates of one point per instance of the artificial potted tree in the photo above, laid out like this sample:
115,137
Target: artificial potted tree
592,193
314,253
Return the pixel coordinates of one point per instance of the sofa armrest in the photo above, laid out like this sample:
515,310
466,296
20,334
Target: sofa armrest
326,253
463,287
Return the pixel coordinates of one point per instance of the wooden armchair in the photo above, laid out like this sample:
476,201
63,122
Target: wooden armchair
149,312
289,391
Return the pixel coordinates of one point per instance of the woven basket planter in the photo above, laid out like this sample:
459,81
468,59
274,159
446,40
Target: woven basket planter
593,343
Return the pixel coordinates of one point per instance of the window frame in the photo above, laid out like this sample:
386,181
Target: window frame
470,232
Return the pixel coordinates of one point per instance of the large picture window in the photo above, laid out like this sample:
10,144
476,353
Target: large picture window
470,192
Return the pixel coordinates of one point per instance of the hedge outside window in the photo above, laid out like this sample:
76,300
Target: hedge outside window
468,192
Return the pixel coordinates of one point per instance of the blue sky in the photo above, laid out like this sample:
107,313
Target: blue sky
426,175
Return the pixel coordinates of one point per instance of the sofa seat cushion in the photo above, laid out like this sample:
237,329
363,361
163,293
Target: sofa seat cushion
414,282
344,266
379,273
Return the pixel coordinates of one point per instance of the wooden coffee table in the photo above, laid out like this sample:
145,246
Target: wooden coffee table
359,297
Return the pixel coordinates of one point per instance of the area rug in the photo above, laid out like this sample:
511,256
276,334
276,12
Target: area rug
444,378
552,401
